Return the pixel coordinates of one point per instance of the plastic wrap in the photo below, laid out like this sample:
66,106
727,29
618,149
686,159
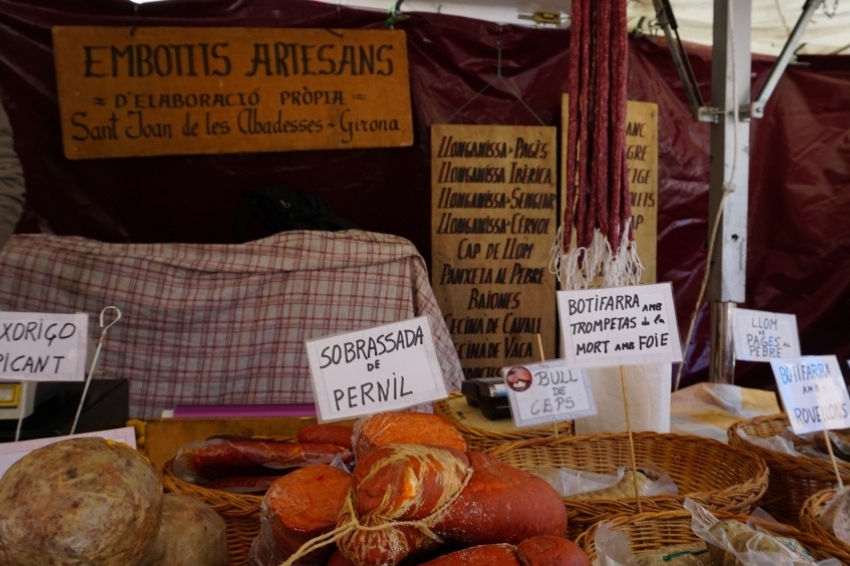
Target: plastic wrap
203,461
191,534
840,440
733,543
295,510
613,548
405,427
77,502
326,433
250,485
580,484
835,516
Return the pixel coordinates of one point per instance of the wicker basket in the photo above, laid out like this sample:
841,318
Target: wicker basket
793,479
718,476
654,531
241,513
482,434
809,515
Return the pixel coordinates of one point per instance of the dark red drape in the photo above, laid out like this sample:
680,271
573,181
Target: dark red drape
798,245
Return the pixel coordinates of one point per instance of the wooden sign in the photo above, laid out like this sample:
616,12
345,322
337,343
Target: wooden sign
385,368
43,346
167,90
619,326
493,222
642,159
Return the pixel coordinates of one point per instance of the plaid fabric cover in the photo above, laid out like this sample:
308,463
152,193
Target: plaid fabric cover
218,323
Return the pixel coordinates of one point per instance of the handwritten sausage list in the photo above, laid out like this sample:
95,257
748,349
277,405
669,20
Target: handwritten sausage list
642,160
493,222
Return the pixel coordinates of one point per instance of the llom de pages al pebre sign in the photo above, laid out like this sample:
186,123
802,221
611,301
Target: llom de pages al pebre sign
169,90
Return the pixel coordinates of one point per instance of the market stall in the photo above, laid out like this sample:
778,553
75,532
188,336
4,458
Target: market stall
396,287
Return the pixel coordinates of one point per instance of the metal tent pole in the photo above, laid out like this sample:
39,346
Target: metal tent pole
729,176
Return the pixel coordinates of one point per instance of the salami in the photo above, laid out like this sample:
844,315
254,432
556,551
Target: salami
297,508
326,433
396,490
545,550
551,551
490,554
405,427
243,484
597,208
502,504
227,456
408,499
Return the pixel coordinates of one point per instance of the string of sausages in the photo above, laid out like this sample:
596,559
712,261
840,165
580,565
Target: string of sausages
598,203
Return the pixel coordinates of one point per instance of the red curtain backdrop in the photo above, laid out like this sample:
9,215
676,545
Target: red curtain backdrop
798,242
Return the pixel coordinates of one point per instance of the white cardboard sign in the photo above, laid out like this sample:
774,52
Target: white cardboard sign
11,452
547,392
813,393
619,326
43,346
760,335
384,368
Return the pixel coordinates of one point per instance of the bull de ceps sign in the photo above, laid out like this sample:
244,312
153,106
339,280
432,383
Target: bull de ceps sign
171,90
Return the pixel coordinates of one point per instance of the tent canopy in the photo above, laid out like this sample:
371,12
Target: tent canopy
772,20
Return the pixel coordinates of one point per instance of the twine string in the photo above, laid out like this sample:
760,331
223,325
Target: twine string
352,524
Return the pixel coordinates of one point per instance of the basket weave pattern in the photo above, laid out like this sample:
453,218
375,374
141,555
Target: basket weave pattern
480,439
809,515
720,477
793,479
654,531
241,513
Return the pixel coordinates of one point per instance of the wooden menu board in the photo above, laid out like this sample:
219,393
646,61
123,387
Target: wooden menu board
493,222
168,90
642,159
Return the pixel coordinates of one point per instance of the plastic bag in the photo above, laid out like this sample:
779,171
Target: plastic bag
733,543
297,509
613,548
580,484
775,443
835,516
202,461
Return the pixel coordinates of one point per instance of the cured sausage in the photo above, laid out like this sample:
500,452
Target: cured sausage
490,554
326,433
226,456
299,507
502,504
405,427
549,550
395,489
543,550
414,498
243,484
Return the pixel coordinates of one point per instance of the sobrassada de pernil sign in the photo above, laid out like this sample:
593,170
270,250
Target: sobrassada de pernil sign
168,90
